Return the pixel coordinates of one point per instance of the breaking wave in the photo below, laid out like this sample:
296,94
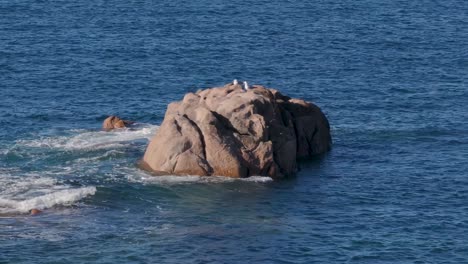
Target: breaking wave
20,194
62,197
92,139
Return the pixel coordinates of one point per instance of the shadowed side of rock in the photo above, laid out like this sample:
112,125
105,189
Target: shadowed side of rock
227,131
311,127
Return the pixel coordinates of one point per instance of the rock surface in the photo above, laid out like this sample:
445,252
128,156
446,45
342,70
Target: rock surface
113,122
227,131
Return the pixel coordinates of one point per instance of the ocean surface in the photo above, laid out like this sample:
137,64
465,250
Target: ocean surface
391,76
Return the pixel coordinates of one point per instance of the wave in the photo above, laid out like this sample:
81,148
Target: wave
62,197
93,139
20,194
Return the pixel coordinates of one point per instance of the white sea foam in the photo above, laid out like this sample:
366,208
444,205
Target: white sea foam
61,197
257,179
10,185
107,154
142,177
21,193
93,140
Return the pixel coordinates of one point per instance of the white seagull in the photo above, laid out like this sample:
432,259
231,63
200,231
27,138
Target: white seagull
235,82
246,86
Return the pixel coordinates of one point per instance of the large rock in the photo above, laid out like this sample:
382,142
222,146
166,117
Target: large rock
230,132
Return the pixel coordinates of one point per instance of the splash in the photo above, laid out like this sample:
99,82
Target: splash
20,193
92,140
62,197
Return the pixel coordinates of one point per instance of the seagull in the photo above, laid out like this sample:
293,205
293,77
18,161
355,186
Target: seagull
235,82
246,86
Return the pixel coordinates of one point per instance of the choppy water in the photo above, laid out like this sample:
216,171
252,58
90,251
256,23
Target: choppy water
390,75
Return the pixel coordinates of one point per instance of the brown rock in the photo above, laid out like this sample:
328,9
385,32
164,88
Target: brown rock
230,132
35,211
113,122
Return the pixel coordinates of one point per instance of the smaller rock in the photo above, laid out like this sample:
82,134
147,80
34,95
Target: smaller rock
113,122
35,211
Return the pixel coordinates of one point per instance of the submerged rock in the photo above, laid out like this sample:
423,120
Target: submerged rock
227,131
35,211
113,122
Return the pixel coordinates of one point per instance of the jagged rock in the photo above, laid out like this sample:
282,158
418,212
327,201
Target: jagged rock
113,122
231,132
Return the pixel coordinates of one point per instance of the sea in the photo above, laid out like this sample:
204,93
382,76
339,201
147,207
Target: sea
391,76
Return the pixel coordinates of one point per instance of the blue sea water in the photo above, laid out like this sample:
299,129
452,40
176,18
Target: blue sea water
391,76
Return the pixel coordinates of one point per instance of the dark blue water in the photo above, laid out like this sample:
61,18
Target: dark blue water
392,77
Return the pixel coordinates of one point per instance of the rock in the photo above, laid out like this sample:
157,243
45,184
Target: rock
113,122
226,131
35,211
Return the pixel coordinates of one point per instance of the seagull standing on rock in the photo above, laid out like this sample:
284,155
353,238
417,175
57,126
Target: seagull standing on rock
246,86
235,82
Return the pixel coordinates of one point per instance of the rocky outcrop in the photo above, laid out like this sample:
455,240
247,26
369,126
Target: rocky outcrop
231,132
113,122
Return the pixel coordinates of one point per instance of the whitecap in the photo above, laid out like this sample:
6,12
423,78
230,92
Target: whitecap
93,139
21,192
61,197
